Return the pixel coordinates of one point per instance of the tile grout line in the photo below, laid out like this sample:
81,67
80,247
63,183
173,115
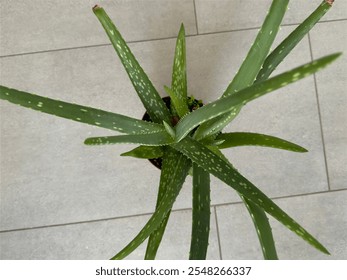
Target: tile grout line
151,40
196,18
218,235
150,213
319,116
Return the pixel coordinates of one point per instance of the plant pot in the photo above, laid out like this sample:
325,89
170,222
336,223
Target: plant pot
157,162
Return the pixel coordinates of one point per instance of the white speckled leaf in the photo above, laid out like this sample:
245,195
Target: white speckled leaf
236,139
289,43
149,96
179,75
173,183
226,104
224,171
201,214
260,48
250,66
263,229
259,218
151,139
78,113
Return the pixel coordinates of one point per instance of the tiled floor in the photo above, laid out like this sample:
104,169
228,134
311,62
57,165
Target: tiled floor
63,200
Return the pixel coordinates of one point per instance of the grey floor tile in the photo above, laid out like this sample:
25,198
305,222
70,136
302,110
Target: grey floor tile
328,38
36,26
49,177
323,215
224,15
101,240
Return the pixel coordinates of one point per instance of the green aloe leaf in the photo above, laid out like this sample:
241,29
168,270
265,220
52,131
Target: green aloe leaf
78,113
173,186
149,96
260,48
150,139
289,43
224,171
201,214
179,75
177,103
156,237
169,130
147,152
250,66
236,139
259,218
226,104
263,229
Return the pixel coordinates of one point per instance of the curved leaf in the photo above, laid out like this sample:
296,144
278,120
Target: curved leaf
78,113
235,139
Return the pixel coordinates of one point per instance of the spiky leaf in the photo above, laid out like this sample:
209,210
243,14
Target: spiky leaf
226,104
179,75
78,113
201,214
156,237
173,185
263,229
236,139
224,171
289,43
259,218
149,96
250,66
180,107
151,139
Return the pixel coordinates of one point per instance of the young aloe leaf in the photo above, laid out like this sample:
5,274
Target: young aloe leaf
147,152
215,125
179,75
156,237
226,104
151,139
235,139
174,183
289,43
224,171
250,66
180,108
149,96
169,130
78,113
201,214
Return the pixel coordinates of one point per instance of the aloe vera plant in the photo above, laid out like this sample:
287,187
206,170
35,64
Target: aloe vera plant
188,137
